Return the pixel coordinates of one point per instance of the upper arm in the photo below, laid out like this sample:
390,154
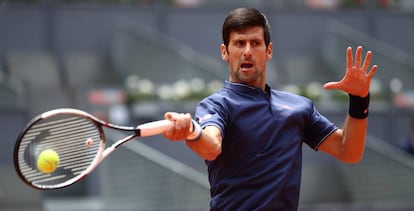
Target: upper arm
332,144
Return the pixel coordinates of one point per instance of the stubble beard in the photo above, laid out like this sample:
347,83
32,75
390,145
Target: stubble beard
252,79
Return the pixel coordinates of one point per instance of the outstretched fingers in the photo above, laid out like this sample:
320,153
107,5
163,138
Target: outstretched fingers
358,74
367,61
331,85
349,57
372,72
358,57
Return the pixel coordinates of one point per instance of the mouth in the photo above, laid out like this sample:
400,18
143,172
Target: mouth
244,66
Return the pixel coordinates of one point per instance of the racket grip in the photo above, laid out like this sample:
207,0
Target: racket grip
154,128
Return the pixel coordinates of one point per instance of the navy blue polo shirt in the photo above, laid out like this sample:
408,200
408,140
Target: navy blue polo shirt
261,160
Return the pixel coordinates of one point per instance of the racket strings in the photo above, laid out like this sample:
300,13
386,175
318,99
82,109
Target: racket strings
67,135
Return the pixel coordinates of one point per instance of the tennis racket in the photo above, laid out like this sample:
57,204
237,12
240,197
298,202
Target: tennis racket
79,140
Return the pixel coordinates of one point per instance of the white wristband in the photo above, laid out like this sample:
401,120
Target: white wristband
196,133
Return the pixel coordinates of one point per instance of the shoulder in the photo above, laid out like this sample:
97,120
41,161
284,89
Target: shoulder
222,97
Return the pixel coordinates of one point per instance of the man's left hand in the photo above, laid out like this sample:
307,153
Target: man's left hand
357,78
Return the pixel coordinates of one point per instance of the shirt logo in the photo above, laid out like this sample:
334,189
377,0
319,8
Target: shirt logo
205,117
286,107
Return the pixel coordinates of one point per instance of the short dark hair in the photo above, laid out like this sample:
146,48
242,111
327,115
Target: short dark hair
241,18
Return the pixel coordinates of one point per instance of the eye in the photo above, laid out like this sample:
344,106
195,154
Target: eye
240,43
256,43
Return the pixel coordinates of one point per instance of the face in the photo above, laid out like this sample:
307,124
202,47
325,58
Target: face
246,56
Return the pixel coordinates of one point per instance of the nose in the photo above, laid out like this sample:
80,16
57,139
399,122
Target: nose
247,51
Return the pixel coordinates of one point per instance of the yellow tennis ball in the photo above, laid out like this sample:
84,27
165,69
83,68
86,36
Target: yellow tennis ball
47,161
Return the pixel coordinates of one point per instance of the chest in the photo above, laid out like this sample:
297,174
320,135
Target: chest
265,125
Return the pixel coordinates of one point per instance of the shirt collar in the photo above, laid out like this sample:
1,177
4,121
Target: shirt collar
246,88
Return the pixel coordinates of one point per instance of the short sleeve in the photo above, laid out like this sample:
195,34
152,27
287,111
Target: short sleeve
211,113
318,129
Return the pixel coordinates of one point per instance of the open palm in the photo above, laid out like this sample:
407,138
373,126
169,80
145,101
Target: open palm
357,78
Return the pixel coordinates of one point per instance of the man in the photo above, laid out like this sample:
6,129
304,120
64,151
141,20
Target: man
251,135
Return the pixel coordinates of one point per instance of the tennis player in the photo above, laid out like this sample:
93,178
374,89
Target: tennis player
251,135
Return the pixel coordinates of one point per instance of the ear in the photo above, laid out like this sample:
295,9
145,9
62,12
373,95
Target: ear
269,51
224,53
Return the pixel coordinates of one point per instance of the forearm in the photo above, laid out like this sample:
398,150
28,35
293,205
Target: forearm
208,146
353,139
355,127
348,143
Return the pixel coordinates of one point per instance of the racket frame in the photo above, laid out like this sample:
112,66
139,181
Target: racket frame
147,129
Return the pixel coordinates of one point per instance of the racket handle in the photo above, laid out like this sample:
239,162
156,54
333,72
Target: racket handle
154,128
